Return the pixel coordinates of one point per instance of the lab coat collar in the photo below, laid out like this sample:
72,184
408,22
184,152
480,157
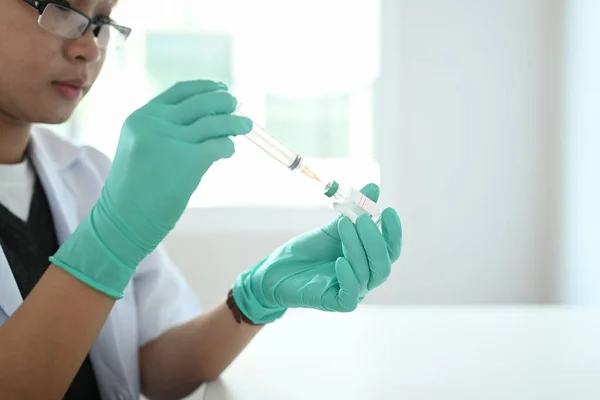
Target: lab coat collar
55,152
50,157
47,152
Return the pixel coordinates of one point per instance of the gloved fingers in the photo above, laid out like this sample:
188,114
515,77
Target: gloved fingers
216,149
392,232
347,297
376,251
371,190
199,106
331,228
352,249
216,126
185,89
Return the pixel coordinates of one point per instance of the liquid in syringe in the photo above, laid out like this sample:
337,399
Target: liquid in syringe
279,151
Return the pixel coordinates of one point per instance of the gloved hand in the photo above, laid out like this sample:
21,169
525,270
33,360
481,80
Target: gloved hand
164,149
330,269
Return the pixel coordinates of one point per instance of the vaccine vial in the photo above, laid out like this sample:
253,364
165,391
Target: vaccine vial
351,202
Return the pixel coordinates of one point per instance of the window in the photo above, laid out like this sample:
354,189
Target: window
303,69
177,56
315,127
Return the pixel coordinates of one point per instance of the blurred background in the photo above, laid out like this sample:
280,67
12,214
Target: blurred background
480,120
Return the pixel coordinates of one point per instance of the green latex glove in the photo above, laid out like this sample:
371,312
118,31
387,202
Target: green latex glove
330,269
164,149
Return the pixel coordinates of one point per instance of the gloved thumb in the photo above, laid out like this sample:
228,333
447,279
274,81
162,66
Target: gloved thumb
371,191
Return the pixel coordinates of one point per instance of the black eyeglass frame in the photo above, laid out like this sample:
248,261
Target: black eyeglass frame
41,5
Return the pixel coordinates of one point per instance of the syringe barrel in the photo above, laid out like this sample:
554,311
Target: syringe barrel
271,145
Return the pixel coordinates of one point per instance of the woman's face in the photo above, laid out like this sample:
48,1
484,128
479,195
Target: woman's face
38,69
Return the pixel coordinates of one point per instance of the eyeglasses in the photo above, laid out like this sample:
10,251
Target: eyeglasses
58,17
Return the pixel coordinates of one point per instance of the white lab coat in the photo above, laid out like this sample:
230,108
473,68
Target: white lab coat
156,299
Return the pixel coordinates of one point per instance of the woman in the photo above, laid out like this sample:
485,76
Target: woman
90,304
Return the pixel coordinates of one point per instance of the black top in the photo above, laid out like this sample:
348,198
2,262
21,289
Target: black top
27,246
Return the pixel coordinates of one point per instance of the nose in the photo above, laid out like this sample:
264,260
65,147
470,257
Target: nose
84,48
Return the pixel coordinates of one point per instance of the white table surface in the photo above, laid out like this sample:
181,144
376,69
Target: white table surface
421,353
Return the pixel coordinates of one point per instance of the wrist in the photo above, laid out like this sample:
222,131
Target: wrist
86,256
249,306
116,236
238,315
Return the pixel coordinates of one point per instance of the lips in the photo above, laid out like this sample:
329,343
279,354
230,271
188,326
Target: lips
71,89
74,83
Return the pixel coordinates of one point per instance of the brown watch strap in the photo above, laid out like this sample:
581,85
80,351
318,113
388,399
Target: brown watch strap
237,313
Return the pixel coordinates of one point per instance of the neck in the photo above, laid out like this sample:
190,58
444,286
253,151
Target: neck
14,138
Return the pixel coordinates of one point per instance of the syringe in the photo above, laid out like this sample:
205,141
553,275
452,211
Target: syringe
278,150
347,200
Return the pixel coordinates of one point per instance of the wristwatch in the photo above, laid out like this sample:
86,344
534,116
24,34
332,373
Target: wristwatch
237,313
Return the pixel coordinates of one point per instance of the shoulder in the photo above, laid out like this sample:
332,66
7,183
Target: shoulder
62,150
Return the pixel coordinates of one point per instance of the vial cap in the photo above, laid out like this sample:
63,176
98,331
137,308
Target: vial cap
331,188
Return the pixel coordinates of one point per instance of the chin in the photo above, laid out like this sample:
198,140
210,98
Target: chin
55,119
55,109
54,116
59,119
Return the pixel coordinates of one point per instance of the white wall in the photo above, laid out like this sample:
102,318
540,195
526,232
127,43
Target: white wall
580,268
468,130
